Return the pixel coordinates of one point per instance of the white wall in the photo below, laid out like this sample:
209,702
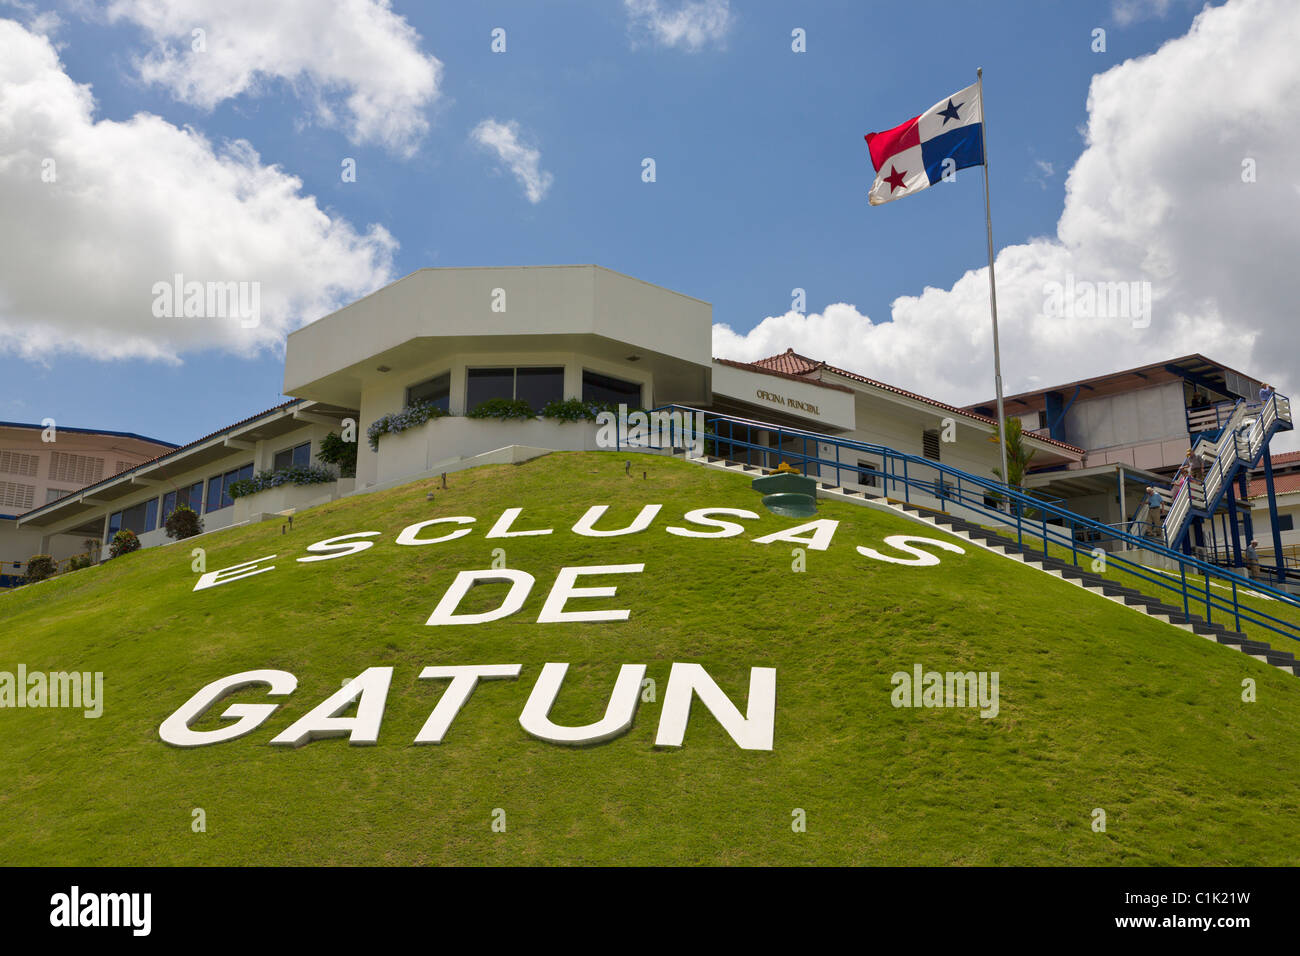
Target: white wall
1287,504
1132,418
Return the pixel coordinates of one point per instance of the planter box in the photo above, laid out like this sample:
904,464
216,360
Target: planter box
417,450
267,503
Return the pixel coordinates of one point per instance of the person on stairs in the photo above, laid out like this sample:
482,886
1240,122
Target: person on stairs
1155,504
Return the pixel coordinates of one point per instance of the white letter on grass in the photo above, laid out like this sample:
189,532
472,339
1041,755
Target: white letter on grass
553,611
464,678
521,582
754,731
369,689
175,730
618,715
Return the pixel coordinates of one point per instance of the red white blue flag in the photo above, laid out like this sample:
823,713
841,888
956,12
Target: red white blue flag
945,138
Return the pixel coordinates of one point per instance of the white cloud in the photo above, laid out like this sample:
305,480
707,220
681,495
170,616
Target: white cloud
356,61
691,25
1126,12
1157,195
45,22
525,162
132,203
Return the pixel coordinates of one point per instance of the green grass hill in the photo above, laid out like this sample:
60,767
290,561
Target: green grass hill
1099,706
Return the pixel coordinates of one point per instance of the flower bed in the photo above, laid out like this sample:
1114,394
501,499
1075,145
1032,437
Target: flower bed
293,475
408,417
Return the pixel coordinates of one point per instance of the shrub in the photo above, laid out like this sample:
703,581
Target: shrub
79,561
574,410
503,409
40,567
124,542
183,522
408,417
342,454
293,475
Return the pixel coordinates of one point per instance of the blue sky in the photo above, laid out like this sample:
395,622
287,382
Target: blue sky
762,171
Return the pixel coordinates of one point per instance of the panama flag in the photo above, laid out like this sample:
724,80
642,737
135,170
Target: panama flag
914,155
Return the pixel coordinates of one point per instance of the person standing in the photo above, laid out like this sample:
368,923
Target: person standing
1265,393
1252,560
1155,504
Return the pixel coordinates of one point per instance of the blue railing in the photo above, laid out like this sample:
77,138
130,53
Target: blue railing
1246,432
932,484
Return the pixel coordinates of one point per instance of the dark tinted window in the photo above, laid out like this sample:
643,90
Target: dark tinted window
151,514
219,487
436,391
488,383
606,388
133,519
214,494
298,455
168,505
537,386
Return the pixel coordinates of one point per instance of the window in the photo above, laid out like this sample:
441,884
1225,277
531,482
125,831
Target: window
536,386
930,444
436,391
219,487
15,495
138,518
54,494
18,463
1042,418
1286,522
485,384
191,497
606,388
214,494
868,472
297,455
78,469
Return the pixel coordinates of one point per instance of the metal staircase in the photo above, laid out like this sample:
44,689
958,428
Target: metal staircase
1238,444
1193,588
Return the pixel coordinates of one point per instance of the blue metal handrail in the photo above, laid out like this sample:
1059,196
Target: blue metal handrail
1271,416
1031,516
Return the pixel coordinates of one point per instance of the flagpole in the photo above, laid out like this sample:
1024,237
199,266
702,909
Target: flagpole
993,289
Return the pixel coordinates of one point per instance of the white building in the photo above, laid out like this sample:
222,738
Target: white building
458,337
